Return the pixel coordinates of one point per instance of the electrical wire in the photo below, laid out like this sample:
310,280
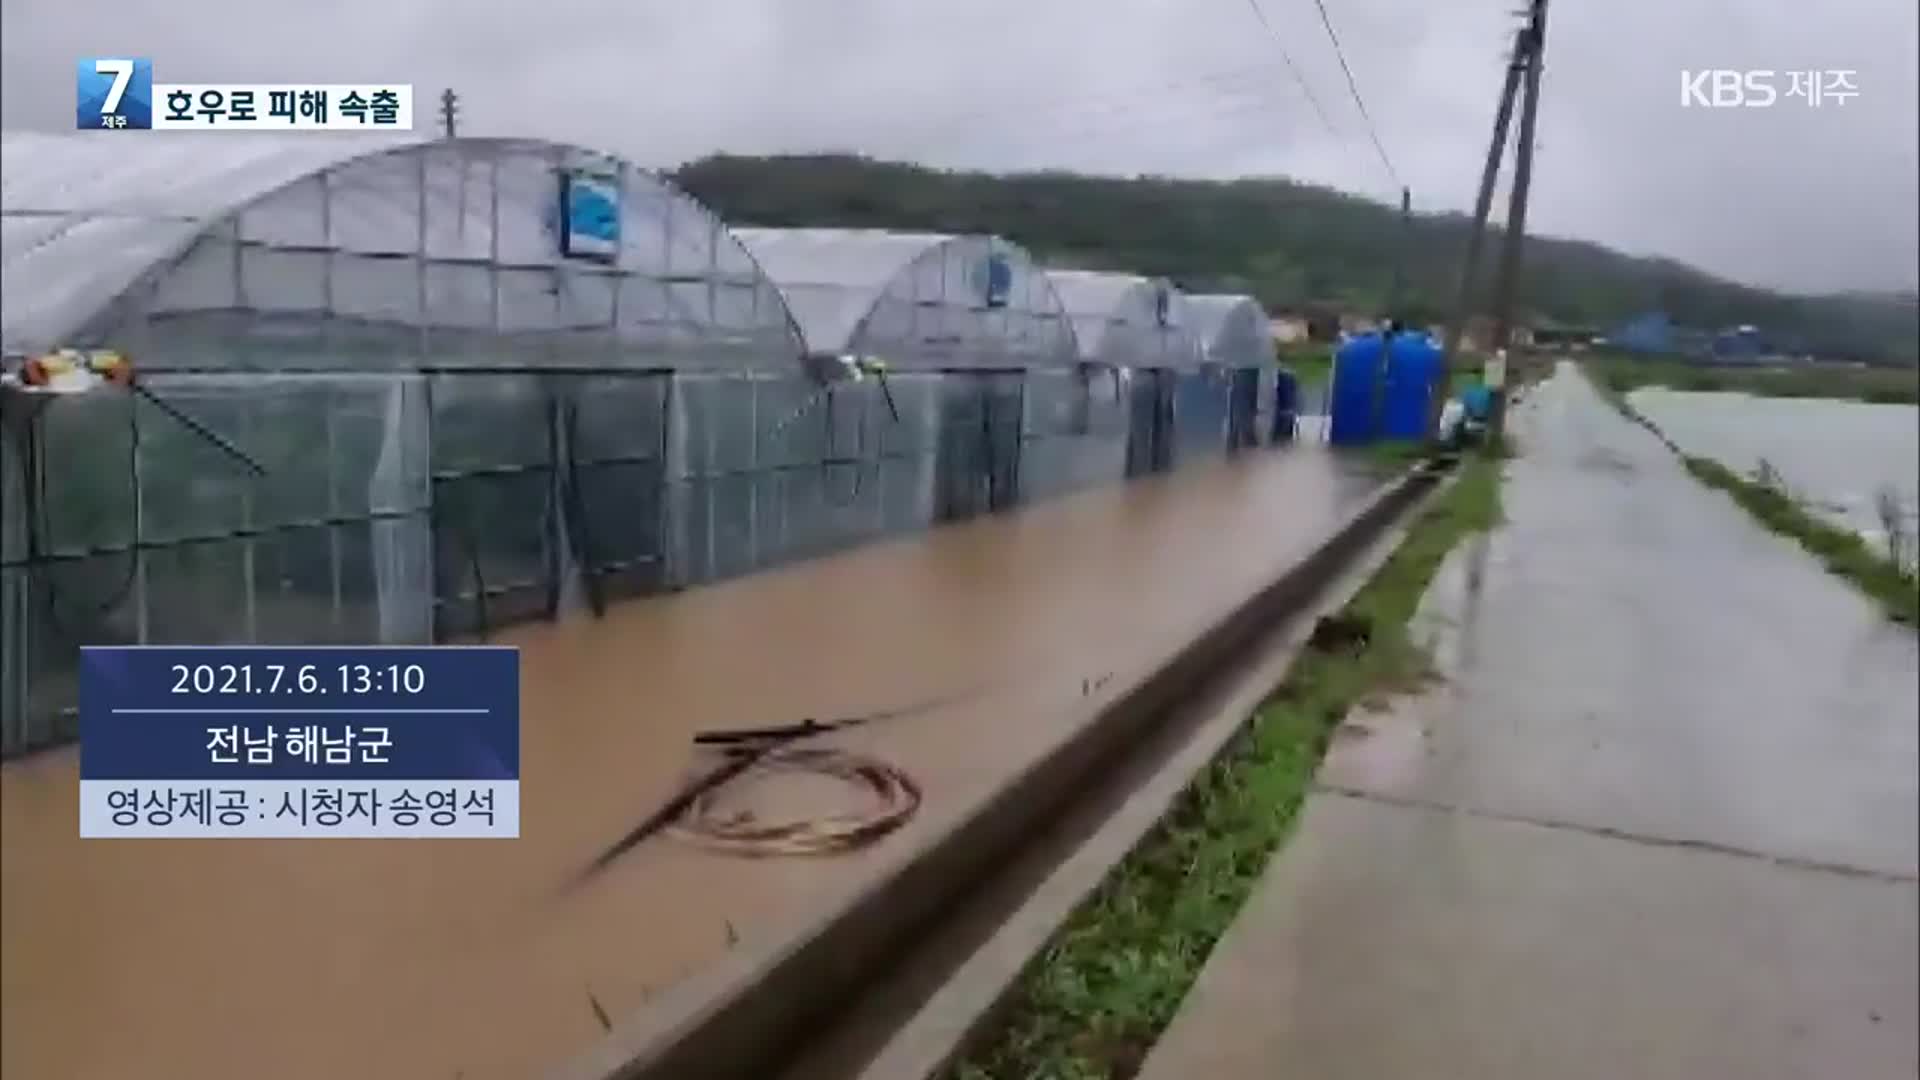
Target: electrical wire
1072,113
1261,14
1354,88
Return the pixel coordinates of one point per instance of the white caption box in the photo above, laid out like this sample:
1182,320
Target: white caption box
300,809
368,107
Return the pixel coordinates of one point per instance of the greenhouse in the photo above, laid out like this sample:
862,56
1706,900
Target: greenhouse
1236,341
938,351
1137,340
386,391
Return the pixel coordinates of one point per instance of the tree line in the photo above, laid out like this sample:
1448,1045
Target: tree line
1295,246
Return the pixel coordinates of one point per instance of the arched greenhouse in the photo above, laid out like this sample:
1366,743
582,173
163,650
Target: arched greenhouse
1136,338
387,390
943,350
1236,340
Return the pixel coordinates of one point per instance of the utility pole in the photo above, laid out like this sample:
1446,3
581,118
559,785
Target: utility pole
1394,295
449,110
1482,206
1517,206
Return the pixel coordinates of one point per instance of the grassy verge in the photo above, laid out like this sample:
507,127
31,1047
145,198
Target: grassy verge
1623,374
1094,1002
1841,550
1394,455
1312,364
1882,577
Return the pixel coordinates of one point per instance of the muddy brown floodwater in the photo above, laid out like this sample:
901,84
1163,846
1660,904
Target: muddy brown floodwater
241,959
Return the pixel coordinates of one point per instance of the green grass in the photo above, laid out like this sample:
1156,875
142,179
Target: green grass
1093,1003
1844,553
1312,364
1842,550
1394,454
1623,374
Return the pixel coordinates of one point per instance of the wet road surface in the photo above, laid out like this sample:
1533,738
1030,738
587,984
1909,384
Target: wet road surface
1659,822
411,959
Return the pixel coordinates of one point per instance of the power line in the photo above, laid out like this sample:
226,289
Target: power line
1260,13
1354,87
1071,112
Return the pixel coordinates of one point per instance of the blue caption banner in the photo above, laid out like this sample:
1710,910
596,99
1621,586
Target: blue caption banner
174,740
269,713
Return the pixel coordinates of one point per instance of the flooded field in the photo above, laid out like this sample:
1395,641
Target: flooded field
1836,456
303,960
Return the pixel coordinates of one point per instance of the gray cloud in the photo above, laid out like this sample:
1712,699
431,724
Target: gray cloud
1793,196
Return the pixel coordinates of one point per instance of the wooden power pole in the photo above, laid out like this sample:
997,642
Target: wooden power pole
1482,206
449,111
1516,233
1395,295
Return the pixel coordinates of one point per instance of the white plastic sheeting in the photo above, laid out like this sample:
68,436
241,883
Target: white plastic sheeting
915,300
1075,434
82,218
217,252
144,532
1124,320
764,469
1235,333
1234,330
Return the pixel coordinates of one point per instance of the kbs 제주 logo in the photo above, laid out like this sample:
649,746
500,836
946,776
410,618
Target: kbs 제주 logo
113,93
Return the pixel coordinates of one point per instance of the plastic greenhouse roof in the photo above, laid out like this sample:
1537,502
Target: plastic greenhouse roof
1091,298
1212,310
831,278
84,217
1215,315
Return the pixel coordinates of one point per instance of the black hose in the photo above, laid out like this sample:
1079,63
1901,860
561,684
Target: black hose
887,392
198,428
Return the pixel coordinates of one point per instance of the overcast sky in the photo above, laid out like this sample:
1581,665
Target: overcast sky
1808,198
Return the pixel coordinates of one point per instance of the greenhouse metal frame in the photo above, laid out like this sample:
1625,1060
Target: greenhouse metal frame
397,390
960,353
445,358
1182,403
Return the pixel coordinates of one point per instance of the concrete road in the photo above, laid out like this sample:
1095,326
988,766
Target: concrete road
1659,822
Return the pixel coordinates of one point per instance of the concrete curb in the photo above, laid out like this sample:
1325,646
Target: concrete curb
748,1014
965,1005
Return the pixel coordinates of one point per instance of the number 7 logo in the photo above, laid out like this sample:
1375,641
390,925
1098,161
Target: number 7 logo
122,72
114,93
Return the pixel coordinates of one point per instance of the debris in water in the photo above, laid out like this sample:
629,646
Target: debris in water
599,1013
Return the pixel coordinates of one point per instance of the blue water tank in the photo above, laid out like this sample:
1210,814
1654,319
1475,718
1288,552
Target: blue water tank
1413,363
1375,399
1357,383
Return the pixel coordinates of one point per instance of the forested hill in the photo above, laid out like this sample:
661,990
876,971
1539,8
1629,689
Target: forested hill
1290,244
